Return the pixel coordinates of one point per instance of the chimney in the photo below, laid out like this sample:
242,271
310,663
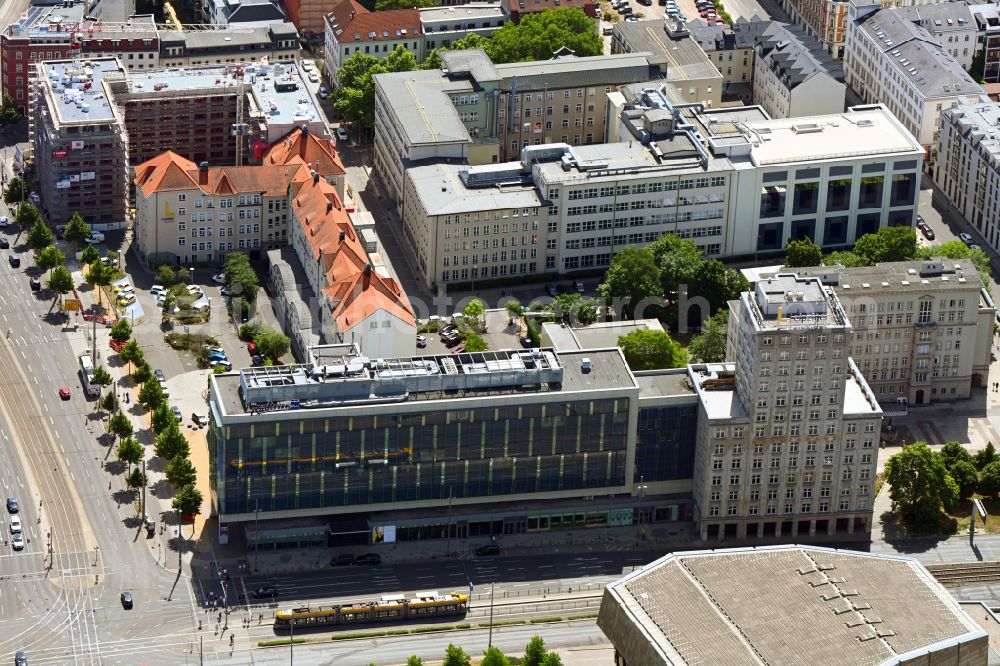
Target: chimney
315,178
329,207
368,271
343,235
203,173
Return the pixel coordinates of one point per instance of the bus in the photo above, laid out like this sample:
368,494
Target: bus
87,376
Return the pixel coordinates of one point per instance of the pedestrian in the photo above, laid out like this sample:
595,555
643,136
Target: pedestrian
217,627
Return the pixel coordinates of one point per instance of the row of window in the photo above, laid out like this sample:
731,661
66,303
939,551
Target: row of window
243,244
805,507
774,479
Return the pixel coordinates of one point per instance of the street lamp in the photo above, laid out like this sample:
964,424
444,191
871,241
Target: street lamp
642,494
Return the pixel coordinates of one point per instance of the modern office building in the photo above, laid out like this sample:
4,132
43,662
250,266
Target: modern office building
891,59
923,330
788,605
794,76
740,186
788,429
968,171
78,137
62,31
511,441
472,110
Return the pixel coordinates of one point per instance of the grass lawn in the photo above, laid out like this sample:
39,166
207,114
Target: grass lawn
962,514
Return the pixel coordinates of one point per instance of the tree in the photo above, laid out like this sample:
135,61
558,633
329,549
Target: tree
717,284
414,660
16,191
920,484
534,652
956,249
40,236
456,656
540,34
803,253
954,452
632,278
273,345
552,659
180,472
472,40
89,255
132,353
494,657
475,310
354,99
382,5
646,349
514,308
709,346
121,331
110,402
887,244
161,418
130,451
135,479
166,275
188,501
474,342
985,456
143,373
27,215
77,231
169,304
843,258
102,377
151,394
49,258
120,426
241,278
60,281
965,475
9,113
171,443
250,331
100,274
989,480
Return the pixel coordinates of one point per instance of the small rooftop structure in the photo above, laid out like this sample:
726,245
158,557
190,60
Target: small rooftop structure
78,89
787,605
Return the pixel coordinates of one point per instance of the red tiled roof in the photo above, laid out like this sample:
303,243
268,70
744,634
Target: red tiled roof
170,171
166,171
302,147
351,22
355,290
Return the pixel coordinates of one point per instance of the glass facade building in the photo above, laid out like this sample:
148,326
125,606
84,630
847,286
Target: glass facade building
665,443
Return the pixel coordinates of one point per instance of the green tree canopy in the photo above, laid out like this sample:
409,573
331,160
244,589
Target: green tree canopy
180,472
956,249
130,451
151,394
15,192
456,656
709,346
121,331
632,278
102,377
382,5
27,215
188,501
9,113
241,278
803,253
920,484
540,34
132,353
985,456
354,98
142,373
273,345
534,652
161,418
171,443
49,258
61,280
475,310
844,258
494,657
887,244
552,659
989,480
89,255
166,275
120,426
414,660
40,236
474,342
965,475
953,452
472,40
135,479
77,231
646,349
110,402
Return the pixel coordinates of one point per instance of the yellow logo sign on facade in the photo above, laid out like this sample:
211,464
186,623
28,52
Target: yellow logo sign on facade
166,209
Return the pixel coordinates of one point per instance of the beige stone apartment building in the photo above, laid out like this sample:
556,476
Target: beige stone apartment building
923,330
788,430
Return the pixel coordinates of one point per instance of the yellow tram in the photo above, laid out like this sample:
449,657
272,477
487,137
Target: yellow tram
388,608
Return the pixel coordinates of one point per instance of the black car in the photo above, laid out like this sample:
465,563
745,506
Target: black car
257,359
4,243
369,558
491,549
551,290
12,505
36,284
15,260
526,342
264,592
342,560
20,659
127,600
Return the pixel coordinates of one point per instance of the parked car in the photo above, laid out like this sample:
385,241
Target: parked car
458,350
217,356
264,592
95,237
550,289
176,411
421,341
369,558
578,286
225,365
927,232
4,243
157,289
489,549
975,247
342,560
36,284
219,279
526,342
965,238
15,260
20,659
4,221
342,134
160,377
